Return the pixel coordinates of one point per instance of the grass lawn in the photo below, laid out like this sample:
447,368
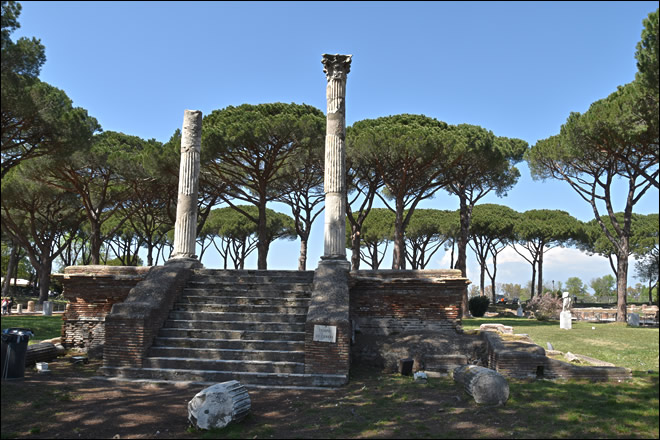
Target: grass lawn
631,347
43,327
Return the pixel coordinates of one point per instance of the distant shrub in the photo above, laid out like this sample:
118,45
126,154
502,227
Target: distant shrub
478,305
545,307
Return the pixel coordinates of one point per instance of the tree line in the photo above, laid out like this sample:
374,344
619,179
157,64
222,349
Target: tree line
493,228
73,191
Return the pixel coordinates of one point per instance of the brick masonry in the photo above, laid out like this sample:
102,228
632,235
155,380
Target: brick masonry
92,291
124,307
328,357
133,324
391,301
384,302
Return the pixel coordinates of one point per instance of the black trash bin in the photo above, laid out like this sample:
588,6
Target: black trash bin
14,347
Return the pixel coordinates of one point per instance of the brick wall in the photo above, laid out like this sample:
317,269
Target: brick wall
329,307
92,291
327,357
379,302
132,325
391,301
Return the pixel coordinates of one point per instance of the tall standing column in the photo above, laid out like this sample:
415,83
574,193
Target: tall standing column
336,68
185,229
328,326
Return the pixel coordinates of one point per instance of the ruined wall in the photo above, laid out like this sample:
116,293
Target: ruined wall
647,314
524,360
91,291
385,302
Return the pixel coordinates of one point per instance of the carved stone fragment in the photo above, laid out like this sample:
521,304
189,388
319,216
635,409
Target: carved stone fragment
219,405
486,386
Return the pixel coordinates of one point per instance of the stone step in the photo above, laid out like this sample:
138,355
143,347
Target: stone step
238,317
224,365
232,293
235,325
269,276
228,354
241,308
249,288
242,335
244,300
245,378
245,344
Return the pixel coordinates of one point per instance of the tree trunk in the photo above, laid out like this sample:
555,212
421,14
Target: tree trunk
262,233
461,260
374,257
12,264
399,257
482,280
622,282
355,248
533,280
492,279
242,255
650,292
45,269
95,243
451,263
540,263
302,260
413,258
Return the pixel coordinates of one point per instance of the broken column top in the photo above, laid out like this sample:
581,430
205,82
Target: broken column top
336,66
191,134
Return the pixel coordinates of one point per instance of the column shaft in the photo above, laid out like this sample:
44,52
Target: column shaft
336,68
185,229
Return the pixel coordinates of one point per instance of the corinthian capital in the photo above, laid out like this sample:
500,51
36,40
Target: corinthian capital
336,66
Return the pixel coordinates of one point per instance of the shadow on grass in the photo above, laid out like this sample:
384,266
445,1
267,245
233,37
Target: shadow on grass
371,405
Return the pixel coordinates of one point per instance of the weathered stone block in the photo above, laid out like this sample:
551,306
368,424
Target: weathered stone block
500,328
633,319
486,386
47,308
219,405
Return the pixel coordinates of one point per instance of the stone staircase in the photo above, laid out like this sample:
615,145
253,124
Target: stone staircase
244,325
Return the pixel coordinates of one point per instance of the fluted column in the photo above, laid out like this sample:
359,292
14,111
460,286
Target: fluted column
336,68
185,229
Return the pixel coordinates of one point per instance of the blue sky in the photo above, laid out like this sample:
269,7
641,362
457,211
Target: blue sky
516,68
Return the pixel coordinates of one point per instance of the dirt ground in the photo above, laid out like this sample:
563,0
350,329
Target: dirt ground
71,403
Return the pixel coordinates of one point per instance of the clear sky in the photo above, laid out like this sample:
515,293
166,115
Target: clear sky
515,68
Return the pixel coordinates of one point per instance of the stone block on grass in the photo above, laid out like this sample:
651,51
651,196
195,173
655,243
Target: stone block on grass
219,405
486,386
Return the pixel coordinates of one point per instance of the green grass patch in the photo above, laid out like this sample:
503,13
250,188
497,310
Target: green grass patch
631,347
43,327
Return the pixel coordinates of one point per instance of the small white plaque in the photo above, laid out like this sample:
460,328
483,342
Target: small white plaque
325,333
